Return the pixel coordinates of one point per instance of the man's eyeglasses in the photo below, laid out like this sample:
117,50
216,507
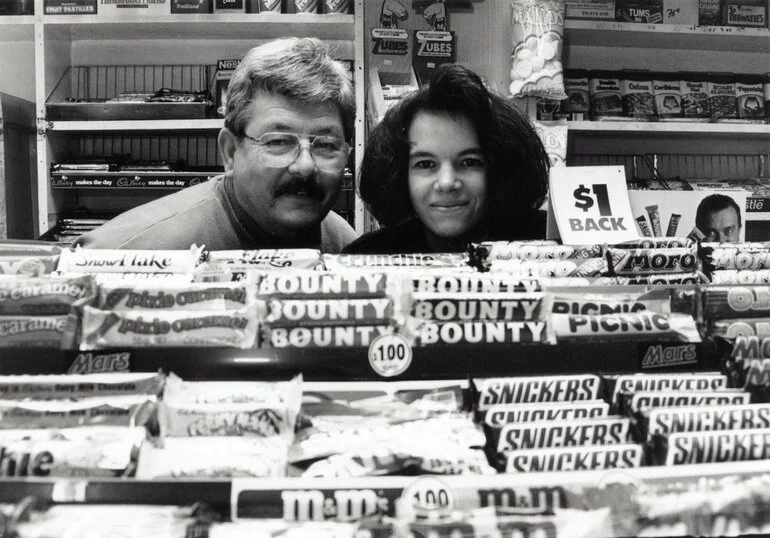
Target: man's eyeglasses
281,149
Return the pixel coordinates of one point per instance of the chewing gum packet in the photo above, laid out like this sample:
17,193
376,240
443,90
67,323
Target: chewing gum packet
237,408
652,261
560,433
106,451
668,420
168,328
576,458
478,306
44,295
213,457
712,447
79,386
532,250
58,332
125,410
83,260
488,392
632,326
735,301
214,297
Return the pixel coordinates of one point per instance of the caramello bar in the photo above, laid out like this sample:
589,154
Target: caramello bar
168,328
83,260
713,447
311,312
632,326
524,250
652,260
664,421
477,306
79,386
133,410
561,433
214,297
537,389
89,451
584,267
44,295
735,301
37,331
609,301
213,457
325,336
499,415
307,284
431,333
576,458
341,262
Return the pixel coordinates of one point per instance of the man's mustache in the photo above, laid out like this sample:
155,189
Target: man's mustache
300,185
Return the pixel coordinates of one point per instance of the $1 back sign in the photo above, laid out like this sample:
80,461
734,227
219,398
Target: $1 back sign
590,204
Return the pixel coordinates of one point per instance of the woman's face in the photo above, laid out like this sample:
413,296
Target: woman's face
447,174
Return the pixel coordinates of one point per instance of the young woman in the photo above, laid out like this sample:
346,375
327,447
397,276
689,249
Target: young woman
450,164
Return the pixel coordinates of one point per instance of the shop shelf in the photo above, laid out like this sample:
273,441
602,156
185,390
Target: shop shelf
684,129
128,125
666,36
263,26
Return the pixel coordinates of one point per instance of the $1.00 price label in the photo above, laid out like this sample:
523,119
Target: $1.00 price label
390,355
427,494
590,204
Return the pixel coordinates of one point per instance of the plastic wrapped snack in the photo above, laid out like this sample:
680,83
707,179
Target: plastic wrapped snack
45,295
536,70
14,387
579,458
478,306
519,390
126,410
213,457
168,328
82,260
167,296
236,408
633,326
38,331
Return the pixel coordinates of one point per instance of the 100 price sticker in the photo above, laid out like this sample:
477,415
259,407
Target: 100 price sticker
390,355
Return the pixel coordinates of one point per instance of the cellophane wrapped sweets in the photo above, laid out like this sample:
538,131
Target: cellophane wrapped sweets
538,29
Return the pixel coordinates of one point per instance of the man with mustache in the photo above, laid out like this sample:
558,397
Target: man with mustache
284,146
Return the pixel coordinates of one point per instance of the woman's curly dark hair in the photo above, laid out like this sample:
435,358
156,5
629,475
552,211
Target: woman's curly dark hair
517,163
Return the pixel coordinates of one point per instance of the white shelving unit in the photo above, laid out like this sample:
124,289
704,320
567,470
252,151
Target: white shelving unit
665,47
63,41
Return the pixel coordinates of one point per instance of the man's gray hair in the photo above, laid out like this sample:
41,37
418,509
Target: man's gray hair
296,68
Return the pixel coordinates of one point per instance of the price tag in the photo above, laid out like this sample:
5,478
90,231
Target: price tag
590,204
69,491
390,354
427,494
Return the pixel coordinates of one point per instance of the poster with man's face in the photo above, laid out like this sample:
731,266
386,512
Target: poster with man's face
719,214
